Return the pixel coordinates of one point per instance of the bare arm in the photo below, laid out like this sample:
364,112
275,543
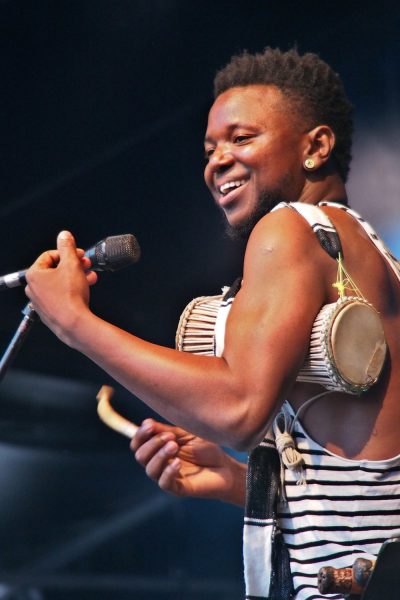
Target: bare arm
230,400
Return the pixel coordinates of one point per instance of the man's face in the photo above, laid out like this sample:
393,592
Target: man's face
254,146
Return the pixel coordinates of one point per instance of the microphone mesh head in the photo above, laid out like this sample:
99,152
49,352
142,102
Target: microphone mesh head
118,251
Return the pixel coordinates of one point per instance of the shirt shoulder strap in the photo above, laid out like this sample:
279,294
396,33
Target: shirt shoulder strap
320,223
373,236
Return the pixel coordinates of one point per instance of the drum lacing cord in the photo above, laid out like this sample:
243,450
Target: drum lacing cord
289,456
344,281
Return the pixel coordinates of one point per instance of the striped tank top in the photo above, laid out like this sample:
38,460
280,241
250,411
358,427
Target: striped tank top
345,510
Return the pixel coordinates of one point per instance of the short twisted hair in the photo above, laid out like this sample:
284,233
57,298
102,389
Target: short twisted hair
310,85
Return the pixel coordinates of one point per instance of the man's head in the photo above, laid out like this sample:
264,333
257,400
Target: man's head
313,89
272,113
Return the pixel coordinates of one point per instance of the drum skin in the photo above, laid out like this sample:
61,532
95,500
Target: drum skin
357,343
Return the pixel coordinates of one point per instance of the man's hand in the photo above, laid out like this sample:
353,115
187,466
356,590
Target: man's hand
186,465
58,284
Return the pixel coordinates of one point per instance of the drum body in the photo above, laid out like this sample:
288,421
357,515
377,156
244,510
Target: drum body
347,344
196,327
347,347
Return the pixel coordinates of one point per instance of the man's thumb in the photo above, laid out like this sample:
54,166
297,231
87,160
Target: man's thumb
65,239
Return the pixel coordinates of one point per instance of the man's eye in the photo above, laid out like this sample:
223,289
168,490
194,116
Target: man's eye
208,152
239,139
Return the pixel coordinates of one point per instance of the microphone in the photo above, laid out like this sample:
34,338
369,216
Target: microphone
111,254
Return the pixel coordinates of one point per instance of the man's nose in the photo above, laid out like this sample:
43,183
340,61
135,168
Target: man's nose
221,158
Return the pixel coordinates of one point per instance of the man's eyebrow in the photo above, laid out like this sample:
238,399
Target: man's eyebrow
209,140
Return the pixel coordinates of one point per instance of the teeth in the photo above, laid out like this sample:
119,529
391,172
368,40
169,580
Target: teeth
231,184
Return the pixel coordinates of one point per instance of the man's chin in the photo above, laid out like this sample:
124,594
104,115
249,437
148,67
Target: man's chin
242,229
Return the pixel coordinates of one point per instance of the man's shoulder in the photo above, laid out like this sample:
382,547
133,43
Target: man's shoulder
285,229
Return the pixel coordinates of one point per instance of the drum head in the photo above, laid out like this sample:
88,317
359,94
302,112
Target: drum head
357,343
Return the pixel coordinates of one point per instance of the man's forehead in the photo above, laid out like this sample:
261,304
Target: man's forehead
246,105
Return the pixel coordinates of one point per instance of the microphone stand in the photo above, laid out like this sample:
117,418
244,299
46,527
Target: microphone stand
30,316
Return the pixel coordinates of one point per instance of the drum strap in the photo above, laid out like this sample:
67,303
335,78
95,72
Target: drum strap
321,225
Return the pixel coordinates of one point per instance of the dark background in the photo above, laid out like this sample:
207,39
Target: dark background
103,109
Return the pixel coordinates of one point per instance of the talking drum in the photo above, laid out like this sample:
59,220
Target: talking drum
347,347
347,343
196,327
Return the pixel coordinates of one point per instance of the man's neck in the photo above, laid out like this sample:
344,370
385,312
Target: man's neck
328,186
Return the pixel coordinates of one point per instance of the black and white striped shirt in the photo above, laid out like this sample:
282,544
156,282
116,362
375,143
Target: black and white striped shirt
346,510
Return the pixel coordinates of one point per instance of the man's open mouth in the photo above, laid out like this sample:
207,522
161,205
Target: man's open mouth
227,187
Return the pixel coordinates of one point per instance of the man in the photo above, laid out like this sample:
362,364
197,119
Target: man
279,130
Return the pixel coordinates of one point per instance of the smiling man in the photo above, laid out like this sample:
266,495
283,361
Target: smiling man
254,154
278,144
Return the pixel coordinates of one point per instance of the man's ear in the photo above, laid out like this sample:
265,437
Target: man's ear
319,147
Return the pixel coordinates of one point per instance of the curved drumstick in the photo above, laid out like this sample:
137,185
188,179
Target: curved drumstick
110,417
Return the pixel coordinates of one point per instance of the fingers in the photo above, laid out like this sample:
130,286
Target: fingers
162,446
47,260
91,277
85,261
169,478
161,459
148,429
65,247
155,448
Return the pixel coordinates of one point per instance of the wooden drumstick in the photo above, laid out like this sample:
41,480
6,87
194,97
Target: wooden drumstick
109,415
